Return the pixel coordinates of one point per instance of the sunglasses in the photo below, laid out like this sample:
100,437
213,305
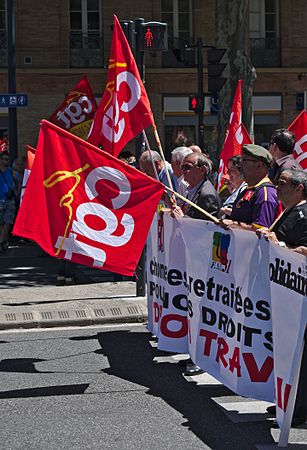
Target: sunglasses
186,167
5,159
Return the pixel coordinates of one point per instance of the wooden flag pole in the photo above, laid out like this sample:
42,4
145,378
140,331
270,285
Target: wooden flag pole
151,158
158,142
214,219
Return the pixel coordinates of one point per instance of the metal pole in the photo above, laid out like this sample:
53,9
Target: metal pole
200,93
13,147
139,148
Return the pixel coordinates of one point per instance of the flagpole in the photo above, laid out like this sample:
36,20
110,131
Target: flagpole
158,142
151,158
210,217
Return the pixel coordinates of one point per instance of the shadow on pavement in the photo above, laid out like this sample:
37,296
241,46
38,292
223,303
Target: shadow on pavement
130,357
29,266
66,389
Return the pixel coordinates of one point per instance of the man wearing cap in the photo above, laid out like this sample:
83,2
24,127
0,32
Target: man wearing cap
281,148
256,206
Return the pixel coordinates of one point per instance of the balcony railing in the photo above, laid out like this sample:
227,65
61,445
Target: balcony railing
3,49
265,52
86,50
178,55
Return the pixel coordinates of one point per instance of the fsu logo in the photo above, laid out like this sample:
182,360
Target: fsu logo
220,260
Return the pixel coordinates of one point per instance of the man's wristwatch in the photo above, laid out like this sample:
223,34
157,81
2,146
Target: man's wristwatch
282,244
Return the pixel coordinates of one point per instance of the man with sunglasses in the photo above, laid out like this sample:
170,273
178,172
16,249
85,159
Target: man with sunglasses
7,199
196,169
257,205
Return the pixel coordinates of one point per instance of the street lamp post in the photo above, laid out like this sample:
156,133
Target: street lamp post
13,147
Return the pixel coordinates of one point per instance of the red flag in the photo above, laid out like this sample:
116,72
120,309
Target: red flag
84,205
236,136
3,145
77,111
299,128
29,163
124,110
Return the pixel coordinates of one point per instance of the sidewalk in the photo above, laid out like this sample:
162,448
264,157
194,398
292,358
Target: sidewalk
30,299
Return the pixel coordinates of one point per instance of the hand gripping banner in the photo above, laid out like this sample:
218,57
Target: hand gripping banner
84,205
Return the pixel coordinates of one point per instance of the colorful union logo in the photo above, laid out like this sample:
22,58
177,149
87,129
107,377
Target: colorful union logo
220,260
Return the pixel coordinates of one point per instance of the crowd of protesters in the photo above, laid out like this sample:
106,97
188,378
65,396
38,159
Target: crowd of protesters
266,194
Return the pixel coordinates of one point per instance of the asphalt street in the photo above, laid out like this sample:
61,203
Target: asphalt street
110,388
105,387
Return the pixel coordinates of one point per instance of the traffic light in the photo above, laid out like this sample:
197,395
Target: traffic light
196,103
153,37
127,27
215,69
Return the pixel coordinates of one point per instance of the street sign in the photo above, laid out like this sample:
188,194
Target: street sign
13,100
214,104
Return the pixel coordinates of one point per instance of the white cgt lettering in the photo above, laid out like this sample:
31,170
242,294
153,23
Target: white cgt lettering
111,121
73,113
106,236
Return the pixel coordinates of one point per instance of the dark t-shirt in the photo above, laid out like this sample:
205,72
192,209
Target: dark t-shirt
291,228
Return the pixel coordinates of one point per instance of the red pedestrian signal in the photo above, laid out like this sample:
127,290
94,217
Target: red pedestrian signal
196,103
152,37
148,38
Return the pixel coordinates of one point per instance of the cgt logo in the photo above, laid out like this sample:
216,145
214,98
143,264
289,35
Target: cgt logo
115,234
113,126
220,246
76,112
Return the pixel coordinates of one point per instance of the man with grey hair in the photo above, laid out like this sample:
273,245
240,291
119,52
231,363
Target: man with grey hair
290,231
151,161
196,168
178,155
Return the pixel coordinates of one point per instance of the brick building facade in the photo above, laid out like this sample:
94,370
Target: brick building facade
57,42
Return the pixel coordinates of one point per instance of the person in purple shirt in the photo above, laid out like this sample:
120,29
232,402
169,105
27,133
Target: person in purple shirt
256,206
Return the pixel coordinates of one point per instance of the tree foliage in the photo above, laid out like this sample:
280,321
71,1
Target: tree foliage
232,32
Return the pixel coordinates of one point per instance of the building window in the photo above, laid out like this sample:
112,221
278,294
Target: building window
3,36
264,33
178,16
86,33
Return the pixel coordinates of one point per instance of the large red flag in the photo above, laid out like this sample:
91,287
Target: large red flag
84,205
124,110
76,113
236,136
29,163
299,128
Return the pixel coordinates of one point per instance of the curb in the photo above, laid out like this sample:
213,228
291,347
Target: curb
96,312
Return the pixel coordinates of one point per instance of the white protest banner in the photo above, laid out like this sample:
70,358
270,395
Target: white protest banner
234,337
166,291
196,235
288,276
155,265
